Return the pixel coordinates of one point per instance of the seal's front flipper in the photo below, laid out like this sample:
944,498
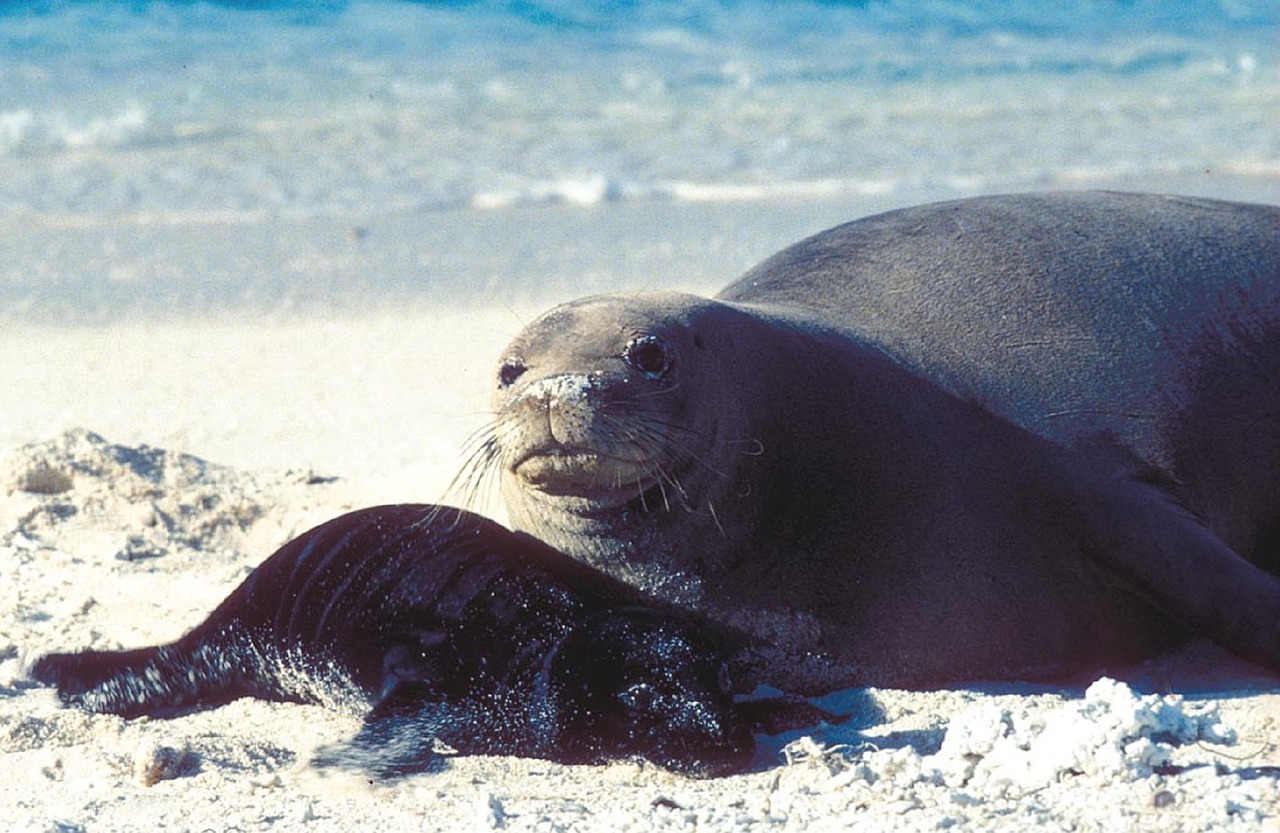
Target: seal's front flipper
1139,535
400,735
784,714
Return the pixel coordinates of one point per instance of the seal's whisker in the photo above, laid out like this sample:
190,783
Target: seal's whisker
711,510
474,467
482,451
662,480
755,448
677,437
656,394
684,449
662,490
656,441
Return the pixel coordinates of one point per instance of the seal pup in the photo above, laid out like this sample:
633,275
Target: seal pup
447,628
1010,437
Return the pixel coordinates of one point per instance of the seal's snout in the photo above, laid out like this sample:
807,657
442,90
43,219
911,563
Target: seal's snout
689,729
565,433
565,403
557,445
650,686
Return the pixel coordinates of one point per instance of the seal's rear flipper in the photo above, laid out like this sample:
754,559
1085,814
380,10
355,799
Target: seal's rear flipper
75,674
1142,538
144,681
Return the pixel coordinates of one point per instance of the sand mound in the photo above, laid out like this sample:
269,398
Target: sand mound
137,540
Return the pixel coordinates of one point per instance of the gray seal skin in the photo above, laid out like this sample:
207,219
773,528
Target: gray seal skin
446,627
1011,437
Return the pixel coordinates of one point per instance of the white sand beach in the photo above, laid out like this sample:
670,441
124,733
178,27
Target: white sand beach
264,417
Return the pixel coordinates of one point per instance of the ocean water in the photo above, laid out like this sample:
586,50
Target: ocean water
176,111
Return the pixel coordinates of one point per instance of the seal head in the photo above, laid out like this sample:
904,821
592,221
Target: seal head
596,417
616,410
630,683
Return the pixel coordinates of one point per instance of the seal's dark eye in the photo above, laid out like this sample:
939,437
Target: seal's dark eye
648,355
510,371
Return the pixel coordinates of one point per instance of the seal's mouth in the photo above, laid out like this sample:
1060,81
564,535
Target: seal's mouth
579,471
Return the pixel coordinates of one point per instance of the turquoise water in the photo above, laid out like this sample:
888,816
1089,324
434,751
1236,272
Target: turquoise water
178,110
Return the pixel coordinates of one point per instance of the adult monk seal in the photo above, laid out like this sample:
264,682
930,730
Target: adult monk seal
1004,437
447,627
